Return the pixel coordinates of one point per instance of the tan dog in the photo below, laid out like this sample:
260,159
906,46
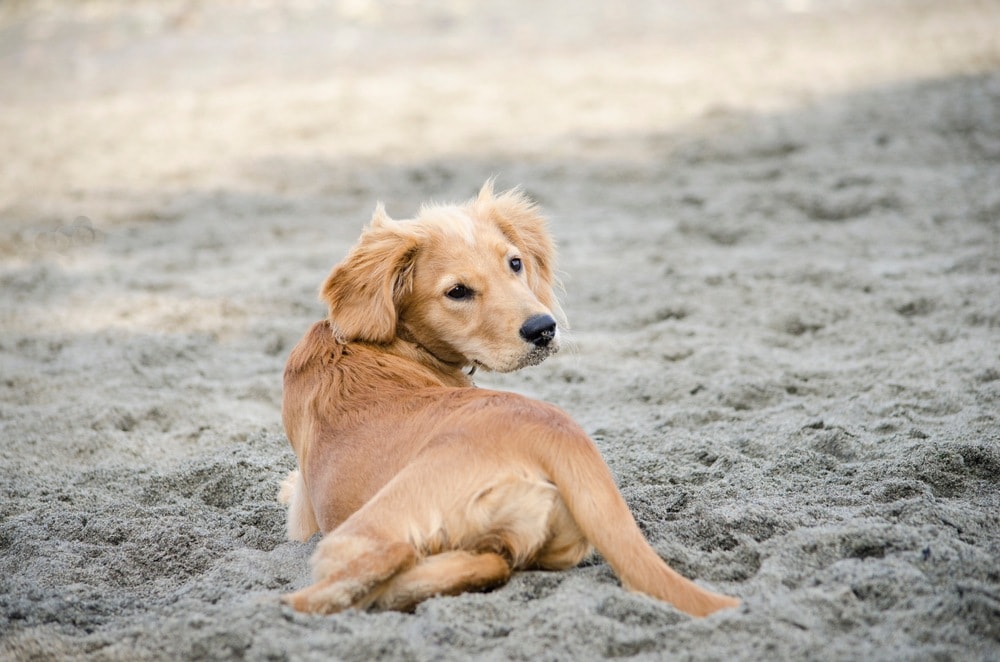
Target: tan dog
422,484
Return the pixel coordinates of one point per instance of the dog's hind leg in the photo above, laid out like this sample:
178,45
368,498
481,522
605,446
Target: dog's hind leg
447,573
349,566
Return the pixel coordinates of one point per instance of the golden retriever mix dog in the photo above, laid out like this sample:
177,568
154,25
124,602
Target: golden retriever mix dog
421,483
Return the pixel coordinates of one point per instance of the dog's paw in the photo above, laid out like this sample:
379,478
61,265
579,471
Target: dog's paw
320,598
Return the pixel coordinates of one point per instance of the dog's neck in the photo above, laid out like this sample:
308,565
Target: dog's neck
452,374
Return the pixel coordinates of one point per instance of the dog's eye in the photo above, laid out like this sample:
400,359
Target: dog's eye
459,293
515,264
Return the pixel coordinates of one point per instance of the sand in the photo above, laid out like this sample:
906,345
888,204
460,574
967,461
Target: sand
780,243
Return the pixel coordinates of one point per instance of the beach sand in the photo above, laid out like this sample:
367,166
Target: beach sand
779,226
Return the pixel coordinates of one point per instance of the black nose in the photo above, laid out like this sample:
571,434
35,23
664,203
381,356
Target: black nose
539,330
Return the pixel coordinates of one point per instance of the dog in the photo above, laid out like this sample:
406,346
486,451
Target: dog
422,484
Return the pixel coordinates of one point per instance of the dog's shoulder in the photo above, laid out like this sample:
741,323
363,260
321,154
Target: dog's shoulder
515,408
317,345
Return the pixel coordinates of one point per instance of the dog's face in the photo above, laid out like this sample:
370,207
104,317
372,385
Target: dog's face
471,285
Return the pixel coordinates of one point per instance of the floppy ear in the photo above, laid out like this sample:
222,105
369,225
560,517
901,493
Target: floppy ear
363,290
520,221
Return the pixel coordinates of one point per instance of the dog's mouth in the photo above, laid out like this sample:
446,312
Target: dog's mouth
533,357
538,354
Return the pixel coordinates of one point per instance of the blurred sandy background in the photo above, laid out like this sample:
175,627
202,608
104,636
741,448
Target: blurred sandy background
780,240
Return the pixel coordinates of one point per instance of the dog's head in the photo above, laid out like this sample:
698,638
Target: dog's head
471,284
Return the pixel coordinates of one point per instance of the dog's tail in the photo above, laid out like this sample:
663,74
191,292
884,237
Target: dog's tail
301,520
586,486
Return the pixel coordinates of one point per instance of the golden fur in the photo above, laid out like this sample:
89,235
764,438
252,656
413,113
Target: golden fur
421,483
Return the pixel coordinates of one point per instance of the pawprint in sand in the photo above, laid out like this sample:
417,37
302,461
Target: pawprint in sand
80,233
